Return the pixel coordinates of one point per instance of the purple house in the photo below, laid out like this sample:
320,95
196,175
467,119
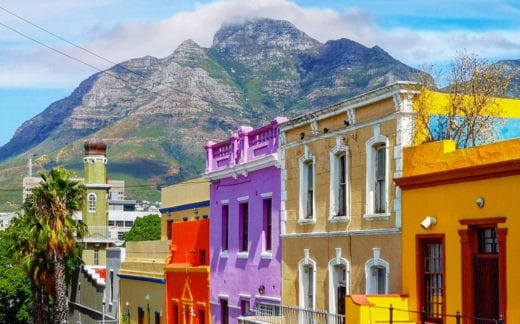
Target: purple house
245,222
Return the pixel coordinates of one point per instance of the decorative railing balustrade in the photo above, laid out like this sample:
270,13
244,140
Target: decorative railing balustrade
246,145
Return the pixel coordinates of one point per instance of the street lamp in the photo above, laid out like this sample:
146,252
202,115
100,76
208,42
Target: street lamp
128,312
147,298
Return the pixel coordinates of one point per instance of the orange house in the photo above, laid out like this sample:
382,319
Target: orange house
187,273
460,231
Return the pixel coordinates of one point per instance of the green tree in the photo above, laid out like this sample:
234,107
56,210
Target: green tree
147,228
471,115
48,243
15,288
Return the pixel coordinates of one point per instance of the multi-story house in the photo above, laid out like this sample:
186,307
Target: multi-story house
245,255
187,273
459,231
184,201
340,209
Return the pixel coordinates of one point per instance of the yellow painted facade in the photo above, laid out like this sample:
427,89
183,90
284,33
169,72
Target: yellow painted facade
188,200
360,240
467,191
142,275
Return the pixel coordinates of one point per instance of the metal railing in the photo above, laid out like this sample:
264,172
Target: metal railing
278,314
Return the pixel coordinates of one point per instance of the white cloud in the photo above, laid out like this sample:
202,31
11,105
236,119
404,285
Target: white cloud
118,40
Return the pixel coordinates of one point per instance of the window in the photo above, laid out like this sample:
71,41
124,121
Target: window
245,308
243,226
380,180
169,224
339,182
307,166
96,256
157,317
120,223
202,257
175,313
307,283
338,284
267,224
376,274
140,315
129,223
377,179
224,311
120,236
225,227
92,202
430,277
202,316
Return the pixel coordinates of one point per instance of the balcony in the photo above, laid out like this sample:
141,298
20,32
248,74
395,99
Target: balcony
246,145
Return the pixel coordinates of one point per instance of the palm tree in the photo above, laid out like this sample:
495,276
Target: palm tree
26,251
54,202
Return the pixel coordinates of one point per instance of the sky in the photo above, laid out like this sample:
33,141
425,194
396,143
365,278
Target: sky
48,47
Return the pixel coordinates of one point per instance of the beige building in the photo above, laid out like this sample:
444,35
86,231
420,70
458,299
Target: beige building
188,200
341,214
142,282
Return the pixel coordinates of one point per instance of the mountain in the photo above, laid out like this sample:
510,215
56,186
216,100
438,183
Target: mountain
156,114
512,68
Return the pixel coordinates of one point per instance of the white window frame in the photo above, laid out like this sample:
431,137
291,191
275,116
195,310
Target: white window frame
371,151
91,201
306,161
333,281
335,159
369,278
304,266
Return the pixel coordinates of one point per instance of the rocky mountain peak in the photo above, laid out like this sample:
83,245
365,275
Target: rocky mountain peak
187,51
262,39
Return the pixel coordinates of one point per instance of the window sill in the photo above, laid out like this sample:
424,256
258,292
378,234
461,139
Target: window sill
339,219
243,255
306,221
224,254
382,216
266,255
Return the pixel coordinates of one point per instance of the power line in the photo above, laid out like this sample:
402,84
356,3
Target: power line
69,42
91,53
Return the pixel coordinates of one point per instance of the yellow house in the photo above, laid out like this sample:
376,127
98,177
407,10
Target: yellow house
341,214
188,200
459,230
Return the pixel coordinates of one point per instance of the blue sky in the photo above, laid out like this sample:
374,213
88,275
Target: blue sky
416,32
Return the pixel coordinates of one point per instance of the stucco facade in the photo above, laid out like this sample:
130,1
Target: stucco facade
341,214
142,281
245,227
184,201
187,273
470,236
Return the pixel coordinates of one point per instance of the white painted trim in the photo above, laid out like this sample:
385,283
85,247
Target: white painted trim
383,231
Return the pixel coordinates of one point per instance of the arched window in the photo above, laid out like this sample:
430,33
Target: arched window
307,282
91,202
339,279
377,273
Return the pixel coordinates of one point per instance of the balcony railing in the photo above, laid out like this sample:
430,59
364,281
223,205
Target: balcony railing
246,145
278,314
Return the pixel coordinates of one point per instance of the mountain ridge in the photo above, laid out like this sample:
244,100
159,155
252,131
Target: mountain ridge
156,114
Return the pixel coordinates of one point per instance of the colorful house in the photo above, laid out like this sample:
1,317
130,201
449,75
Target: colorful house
245,255
184,201
187,273
341,214
460,229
